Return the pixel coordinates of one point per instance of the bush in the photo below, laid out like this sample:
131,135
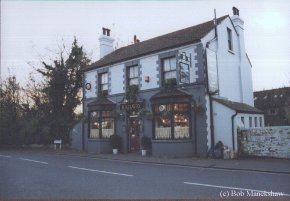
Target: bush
116,141
145,143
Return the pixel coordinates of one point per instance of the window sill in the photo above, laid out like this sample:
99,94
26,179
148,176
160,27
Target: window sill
231,51
173,141
98,139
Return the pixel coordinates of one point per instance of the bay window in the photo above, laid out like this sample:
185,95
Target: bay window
102,124
172,121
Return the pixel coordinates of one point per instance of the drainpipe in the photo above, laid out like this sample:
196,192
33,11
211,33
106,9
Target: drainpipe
211,121
208,92
233,130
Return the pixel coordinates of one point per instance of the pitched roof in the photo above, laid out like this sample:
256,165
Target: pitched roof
170,93
272,98
178,38
101,101
239,107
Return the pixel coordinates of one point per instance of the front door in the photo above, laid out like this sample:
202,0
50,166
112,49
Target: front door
133,126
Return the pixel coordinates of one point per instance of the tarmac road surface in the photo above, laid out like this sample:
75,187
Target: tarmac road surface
29,175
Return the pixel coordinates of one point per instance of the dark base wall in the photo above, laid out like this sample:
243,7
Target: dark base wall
99,146
178,148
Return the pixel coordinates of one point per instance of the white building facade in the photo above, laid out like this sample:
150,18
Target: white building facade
185,90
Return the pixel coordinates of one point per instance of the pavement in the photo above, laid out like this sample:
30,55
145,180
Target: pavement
255,164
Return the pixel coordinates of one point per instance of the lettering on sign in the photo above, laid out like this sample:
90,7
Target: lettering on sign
131,106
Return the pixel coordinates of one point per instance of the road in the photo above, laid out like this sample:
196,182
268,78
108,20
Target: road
32,175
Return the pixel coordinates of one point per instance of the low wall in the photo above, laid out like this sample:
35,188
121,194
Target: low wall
268,141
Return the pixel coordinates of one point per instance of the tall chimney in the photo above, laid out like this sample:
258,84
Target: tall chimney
136,40
236,11
106,43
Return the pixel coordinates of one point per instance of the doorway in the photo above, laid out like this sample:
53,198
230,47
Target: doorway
133,131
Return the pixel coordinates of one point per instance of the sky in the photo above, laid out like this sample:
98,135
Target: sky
32,31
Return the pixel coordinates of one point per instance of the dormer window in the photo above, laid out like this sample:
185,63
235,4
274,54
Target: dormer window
230,39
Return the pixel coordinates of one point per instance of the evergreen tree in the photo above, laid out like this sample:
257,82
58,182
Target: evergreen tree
62,85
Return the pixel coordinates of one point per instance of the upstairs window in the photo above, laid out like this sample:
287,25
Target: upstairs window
103,82
169,68
133,75
230,40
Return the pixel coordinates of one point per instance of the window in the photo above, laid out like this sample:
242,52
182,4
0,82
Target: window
256,121
102,124
250,122
230,41
172,121
133,75
169,68
261,123
103,82
243,121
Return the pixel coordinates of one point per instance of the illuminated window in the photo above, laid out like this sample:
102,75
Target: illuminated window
102,124
172,121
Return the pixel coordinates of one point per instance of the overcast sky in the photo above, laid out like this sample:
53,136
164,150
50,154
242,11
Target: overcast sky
33,30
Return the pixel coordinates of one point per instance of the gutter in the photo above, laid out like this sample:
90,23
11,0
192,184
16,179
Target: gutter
233,129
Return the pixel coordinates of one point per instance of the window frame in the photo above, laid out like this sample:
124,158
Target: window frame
256,122
250,122
172,124
101,84
163,72
128,74
243,120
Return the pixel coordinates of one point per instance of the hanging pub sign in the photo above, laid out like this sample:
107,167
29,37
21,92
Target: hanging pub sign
135,106
184,65
212,71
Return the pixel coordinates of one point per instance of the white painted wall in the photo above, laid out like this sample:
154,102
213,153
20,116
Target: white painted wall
228,63
234,69
208,122
149,68
90,77
223,124
245,66
193,70
117,73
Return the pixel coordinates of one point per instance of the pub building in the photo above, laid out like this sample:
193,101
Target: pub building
185,90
